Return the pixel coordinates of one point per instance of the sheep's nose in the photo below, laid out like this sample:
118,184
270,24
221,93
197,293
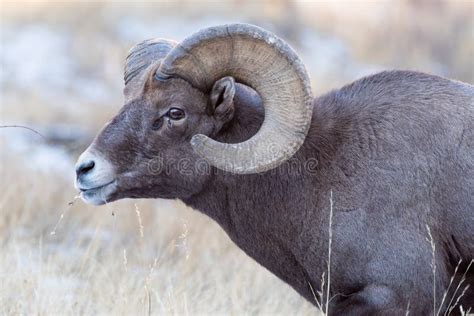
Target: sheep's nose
84,167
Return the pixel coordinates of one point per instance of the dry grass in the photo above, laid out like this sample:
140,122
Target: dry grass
160,257
451,298
129,257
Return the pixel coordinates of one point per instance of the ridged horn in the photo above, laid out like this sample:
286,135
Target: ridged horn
139,58
266,63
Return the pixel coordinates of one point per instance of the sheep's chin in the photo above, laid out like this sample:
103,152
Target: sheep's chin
99,195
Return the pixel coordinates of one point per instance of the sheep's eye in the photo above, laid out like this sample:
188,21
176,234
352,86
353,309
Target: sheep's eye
175,114
157,124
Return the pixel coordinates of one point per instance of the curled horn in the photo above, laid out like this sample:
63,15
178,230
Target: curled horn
139,58
266,63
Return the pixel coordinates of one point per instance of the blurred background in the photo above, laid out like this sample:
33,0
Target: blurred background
61,74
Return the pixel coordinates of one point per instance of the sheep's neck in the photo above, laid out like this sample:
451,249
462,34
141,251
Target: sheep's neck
263,215
258,216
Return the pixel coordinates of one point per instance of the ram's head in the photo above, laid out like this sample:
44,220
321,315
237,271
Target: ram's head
178,97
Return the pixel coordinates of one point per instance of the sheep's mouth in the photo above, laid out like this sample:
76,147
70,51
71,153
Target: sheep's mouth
100,194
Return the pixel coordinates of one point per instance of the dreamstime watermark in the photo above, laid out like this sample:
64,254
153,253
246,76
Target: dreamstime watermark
201,167
155,166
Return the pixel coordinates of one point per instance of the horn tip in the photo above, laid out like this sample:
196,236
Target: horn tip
198,140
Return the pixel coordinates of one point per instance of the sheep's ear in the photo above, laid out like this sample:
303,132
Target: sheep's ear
222,98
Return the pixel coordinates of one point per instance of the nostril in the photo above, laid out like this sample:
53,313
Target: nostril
85,167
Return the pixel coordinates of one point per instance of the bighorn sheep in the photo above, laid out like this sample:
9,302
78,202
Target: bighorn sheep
225,121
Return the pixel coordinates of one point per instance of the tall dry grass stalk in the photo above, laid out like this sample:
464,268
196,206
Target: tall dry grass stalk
324,295
449,287
329,253
63,213
455,299
433,265
139,218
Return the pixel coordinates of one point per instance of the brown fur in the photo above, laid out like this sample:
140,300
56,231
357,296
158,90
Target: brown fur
396,149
